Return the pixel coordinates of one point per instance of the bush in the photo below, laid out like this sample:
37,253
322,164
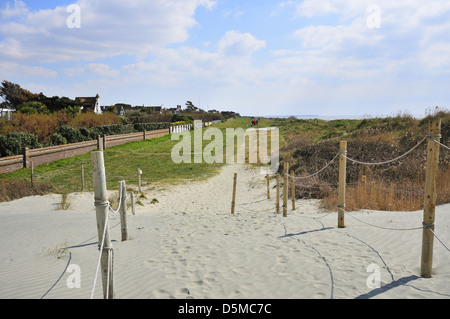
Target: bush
42,125
141,127
13,143
91,120
57,139
72,135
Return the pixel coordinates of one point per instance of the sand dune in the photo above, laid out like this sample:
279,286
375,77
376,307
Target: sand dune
188,245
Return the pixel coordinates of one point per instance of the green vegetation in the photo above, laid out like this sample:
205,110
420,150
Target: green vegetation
308,145
153,157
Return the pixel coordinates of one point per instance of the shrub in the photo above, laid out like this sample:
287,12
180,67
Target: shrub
13,143
42,125
57,139
72,135
32,108
91,120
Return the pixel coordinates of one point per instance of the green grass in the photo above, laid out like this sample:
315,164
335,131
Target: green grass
122,162
153,157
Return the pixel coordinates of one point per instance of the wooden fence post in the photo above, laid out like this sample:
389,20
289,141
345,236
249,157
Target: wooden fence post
133,210
430,199
342,183
32,173
233,202
139,179
268,187
26,157
82,178
101,208
123,210
278,193
293,189
285,189
104,141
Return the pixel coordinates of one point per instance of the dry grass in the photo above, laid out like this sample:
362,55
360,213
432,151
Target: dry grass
14,189
389,196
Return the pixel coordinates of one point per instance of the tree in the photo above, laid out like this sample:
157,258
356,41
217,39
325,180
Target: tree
190,107
32,108
14,95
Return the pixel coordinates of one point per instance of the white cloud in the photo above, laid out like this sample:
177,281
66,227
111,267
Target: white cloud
108,28
8,12
25,71
239,44
98,69
312,8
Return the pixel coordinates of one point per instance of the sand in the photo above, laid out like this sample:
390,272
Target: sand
190,246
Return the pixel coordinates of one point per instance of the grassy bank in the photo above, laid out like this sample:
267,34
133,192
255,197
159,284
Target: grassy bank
311,144
153,157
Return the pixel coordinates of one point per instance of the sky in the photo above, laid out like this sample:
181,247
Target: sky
259,58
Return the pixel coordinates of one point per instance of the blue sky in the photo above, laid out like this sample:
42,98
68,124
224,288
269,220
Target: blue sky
323,57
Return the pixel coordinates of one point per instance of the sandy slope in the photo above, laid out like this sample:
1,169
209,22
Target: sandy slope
190,246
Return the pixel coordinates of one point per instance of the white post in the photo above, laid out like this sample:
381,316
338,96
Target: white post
139,179
104,238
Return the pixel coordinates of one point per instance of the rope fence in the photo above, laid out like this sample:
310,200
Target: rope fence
429,193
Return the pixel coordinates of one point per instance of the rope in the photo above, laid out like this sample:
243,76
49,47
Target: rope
389,161
316,173
100,254
387,228
440,143
438,239
120,203
256,211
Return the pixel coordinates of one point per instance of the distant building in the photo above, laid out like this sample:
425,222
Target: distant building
176,110
6,113
122,109
92,104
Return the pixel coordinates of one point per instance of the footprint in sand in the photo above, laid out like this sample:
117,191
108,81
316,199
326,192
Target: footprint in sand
183,293
280,264
162,294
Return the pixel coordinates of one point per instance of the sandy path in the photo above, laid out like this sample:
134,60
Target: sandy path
190,246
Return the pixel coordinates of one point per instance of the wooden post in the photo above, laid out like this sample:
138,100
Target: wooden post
293,189
82,178
285,189
101,208
430,199
133,211
342,183
268,186
278,193
233,202
26,157
99,144
104,141
32,173
139,179
123,210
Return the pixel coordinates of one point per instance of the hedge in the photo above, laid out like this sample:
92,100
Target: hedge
14,142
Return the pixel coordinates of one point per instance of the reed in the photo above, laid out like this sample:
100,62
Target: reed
382,194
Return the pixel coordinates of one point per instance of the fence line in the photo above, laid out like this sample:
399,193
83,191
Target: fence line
444,146
430,192
389,161
319,171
